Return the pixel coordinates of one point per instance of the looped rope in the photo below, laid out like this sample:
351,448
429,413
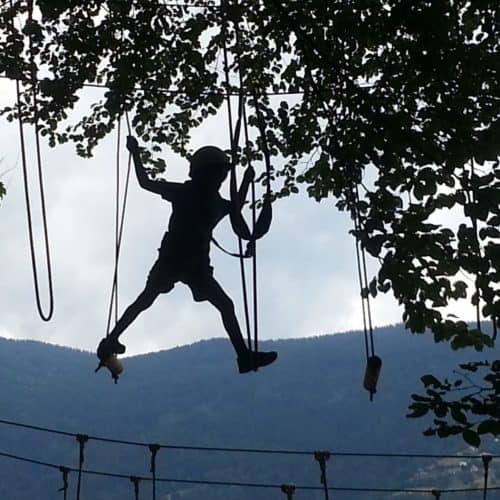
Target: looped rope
45,316
65,472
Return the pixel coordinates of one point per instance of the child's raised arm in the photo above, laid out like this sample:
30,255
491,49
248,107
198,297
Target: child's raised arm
163,188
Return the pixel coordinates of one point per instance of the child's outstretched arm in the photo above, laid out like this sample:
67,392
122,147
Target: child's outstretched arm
165,189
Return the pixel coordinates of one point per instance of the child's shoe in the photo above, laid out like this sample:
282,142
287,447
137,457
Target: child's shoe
106,352
254,360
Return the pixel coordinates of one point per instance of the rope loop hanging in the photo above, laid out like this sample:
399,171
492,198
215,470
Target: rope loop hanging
44,315
65,472
322,457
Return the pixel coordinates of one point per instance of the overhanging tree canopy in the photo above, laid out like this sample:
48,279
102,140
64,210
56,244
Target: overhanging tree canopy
396,100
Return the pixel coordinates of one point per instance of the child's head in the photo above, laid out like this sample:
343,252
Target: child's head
209,164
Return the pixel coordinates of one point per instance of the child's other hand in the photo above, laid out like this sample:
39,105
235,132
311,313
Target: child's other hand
132,144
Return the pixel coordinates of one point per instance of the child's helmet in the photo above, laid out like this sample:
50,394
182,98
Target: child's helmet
207,160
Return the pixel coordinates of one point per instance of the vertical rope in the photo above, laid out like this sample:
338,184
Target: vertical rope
253,243
476,237
82,439
48,315
119,215
234,139
322,457
153,448
65,471
288,490
117,210
135,481
486,458
436,494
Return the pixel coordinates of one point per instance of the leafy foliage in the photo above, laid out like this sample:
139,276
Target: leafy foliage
389,107
475,413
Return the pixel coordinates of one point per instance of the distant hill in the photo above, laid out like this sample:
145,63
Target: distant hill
311,399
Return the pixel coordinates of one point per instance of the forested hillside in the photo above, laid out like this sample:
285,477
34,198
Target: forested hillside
311,399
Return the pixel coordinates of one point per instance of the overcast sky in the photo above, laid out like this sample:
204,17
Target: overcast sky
307,270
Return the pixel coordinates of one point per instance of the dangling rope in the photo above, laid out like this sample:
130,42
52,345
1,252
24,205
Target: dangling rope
234,139
288,490
82,439
473,201
322,457
65,472
260,224
119,224
46,316
486,458
373,362
153,448
436,494
135,481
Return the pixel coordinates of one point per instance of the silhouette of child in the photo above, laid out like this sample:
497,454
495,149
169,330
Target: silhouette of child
197,208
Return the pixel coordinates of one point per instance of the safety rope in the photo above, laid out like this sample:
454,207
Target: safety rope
135,481
234,140
373,362
486,458
288,490
153,448
262,222
45,316
322,457
473,200
82,440
65,472
119,223
420,491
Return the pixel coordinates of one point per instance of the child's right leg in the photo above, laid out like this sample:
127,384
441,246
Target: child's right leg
141,303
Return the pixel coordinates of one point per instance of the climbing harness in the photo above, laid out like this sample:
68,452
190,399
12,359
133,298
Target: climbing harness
112,363
45,316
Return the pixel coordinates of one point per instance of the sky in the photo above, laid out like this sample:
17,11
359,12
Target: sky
306,263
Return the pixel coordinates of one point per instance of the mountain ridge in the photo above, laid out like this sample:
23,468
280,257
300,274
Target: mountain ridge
310,399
